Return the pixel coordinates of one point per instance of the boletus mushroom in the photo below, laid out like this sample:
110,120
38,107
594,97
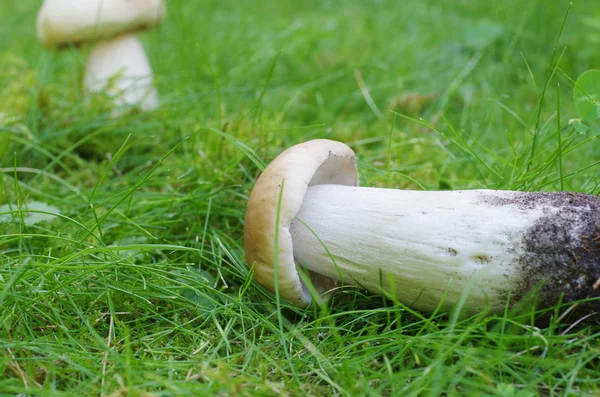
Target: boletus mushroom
307,214
117,64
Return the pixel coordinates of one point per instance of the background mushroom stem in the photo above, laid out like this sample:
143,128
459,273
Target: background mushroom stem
119,67
428,247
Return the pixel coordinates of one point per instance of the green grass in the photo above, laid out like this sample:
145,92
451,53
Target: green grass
137,283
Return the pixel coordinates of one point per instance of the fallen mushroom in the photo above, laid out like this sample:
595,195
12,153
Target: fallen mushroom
117,65
306,214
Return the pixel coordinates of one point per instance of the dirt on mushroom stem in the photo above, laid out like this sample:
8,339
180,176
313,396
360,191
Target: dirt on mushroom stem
561,256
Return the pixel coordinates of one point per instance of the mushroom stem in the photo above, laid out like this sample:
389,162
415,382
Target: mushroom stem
432,247
119,67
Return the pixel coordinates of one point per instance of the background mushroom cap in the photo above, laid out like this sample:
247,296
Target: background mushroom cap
315,162
68,21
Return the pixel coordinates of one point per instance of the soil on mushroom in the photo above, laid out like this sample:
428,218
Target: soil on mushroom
560,254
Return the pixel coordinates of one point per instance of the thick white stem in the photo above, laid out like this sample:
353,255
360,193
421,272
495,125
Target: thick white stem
428,247
119,67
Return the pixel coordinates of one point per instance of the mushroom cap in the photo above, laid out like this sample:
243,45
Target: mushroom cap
288,177
71,21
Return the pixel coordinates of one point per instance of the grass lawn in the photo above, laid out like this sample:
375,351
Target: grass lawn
138,285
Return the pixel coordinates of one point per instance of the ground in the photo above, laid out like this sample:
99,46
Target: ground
122,269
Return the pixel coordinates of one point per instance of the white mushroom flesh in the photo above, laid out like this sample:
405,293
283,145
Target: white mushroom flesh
425,247
120,68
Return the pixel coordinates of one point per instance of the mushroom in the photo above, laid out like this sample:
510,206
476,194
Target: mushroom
307,219
117,65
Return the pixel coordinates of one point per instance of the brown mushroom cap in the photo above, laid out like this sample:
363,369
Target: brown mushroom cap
66,21
315,162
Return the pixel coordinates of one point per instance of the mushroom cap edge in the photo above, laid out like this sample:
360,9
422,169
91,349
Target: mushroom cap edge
315,162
